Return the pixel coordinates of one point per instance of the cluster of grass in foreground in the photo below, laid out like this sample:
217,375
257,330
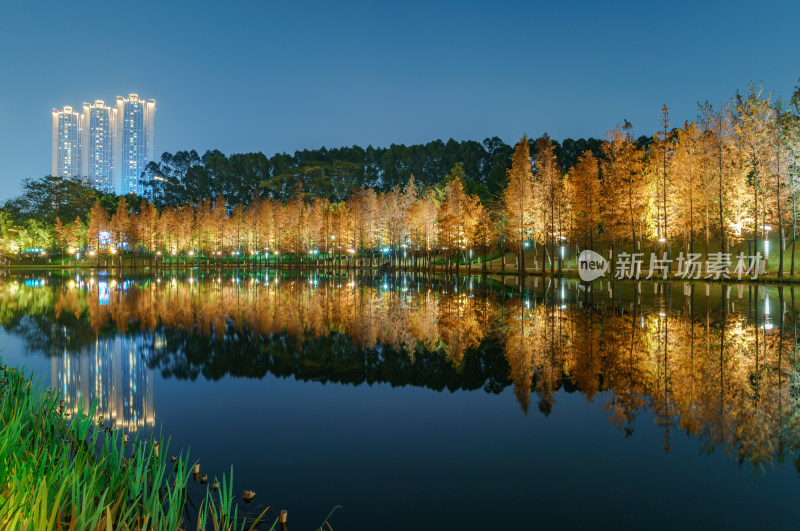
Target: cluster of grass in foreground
58,472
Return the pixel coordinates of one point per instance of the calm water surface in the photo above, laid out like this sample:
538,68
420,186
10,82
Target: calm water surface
421,402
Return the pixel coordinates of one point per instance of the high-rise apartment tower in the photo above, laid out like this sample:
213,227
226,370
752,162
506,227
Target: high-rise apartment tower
66,149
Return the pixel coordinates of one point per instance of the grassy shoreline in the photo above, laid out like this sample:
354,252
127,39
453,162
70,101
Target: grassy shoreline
71,472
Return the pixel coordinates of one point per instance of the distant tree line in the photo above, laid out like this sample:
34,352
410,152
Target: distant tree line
334,174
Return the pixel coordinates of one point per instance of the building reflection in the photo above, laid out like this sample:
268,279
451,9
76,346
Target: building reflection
111,372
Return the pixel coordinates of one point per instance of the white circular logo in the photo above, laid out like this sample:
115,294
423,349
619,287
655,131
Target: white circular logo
591,265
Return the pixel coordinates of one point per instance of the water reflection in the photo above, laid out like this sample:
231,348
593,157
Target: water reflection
717,363
111,372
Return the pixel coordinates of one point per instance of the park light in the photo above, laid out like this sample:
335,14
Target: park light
766,229
158,253
72,250
191,253
173,253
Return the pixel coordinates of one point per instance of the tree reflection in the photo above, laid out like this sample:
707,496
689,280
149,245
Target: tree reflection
705,362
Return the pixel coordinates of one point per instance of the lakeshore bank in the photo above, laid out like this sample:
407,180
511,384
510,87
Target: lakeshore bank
61,470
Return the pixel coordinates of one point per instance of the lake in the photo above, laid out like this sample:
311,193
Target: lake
431,402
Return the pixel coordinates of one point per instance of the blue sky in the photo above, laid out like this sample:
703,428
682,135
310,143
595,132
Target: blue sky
277,77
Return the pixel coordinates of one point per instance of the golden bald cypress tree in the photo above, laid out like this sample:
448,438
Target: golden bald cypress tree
687,184
623,186
583,192
549,192
518,199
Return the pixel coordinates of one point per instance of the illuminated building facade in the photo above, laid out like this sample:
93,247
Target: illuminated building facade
107,146
66,150
134,148
113,372
97,143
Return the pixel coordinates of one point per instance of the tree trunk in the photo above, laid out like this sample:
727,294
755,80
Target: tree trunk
780,217
544,261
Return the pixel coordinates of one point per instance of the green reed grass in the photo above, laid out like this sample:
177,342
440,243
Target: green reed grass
62,472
